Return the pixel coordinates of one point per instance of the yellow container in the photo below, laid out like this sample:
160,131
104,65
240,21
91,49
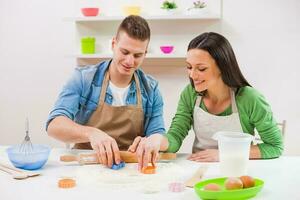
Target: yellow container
132,10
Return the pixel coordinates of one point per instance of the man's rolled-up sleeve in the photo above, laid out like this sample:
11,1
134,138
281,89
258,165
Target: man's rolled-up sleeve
156,120
67,103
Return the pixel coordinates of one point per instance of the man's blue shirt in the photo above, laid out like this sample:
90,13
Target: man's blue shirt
80,96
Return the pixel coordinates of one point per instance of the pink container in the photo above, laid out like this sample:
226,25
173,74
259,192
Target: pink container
88,12
166,49
176,187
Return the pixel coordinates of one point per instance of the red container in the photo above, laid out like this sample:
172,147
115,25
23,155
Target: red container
88,12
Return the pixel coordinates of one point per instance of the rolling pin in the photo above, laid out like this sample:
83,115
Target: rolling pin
126,156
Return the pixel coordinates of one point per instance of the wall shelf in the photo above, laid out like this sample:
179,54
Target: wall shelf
149,18
175,29
149,55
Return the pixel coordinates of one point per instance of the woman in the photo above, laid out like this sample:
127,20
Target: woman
218,98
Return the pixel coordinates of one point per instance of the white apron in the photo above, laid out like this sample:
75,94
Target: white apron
206,125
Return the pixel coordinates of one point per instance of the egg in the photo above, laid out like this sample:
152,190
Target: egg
248,181
233,183
212,187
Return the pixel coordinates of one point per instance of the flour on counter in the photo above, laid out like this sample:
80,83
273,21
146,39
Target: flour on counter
130,177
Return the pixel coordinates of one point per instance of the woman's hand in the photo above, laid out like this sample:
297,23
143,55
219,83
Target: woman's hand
207,155
146,149
132,148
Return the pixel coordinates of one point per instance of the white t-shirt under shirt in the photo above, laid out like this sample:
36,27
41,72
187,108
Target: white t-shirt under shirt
119,94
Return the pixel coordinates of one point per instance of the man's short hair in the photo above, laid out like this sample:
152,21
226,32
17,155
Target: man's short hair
136,27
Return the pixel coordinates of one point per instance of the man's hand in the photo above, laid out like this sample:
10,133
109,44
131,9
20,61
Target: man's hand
207,155
106,148
146,149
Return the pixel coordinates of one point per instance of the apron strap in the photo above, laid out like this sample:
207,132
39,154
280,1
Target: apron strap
198,101
138,90
104,87
233,102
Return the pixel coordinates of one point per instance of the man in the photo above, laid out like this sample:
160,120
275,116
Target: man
106,106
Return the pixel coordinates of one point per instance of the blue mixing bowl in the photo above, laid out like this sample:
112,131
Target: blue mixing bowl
31,160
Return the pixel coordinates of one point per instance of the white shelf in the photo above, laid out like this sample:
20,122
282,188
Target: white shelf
176,29
149,55
156,17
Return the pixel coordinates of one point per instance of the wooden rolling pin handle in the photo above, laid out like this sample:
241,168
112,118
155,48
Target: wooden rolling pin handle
86,159
81,158
167,156
68,158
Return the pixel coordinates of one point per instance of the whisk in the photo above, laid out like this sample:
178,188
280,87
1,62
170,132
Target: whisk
26,146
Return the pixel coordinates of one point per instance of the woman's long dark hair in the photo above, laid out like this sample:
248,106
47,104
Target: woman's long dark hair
221,51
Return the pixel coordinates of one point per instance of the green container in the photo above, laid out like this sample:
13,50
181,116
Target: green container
224,194
88,45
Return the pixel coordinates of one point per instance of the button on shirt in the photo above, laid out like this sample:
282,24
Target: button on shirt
79,97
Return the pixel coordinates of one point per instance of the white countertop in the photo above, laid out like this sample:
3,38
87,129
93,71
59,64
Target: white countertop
281,176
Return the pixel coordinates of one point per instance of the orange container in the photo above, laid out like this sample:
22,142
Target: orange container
149,170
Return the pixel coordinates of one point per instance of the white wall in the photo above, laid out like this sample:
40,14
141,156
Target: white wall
34,42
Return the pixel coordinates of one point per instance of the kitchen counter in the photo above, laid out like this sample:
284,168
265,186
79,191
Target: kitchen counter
281,176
